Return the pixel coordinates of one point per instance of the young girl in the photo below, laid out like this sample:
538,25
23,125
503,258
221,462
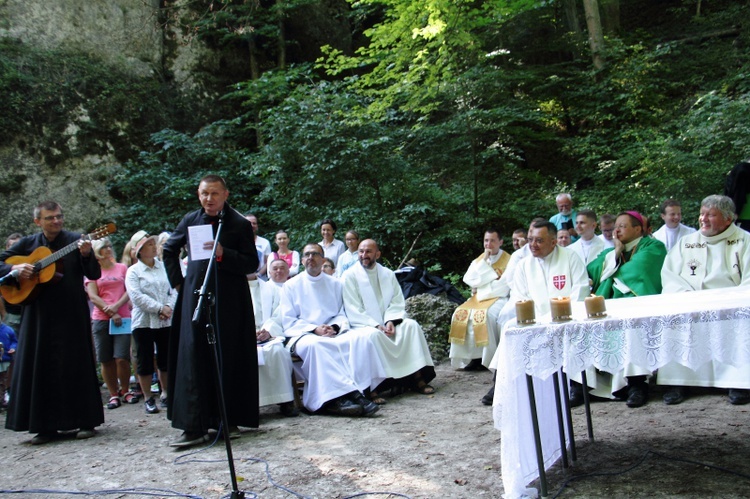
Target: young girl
8,343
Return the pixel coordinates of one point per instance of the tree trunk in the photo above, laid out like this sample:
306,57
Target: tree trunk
610,12
570,14
281,56
596,37
255,75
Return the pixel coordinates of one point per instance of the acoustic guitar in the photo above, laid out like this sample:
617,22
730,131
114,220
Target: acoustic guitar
25,290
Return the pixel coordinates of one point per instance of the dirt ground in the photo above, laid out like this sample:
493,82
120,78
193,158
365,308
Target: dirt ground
417,446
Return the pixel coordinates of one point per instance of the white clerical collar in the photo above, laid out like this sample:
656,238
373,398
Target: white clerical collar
632,244
494,258
545,261
315,278
728,232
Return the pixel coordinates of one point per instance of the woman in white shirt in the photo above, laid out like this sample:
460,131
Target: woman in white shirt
153,301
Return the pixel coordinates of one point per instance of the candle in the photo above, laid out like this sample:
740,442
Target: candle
561,309
525,312
595,307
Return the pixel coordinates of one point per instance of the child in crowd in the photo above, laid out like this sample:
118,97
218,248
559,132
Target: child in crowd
8,343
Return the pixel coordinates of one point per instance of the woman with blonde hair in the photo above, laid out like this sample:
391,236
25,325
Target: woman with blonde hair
111,307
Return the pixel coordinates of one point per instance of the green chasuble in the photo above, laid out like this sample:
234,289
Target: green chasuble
641,271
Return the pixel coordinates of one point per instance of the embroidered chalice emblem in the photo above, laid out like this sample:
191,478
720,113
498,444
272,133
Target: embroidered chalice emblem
693,264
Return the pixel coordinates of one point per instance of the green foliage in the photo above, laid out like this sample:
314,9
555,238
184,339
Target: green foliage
455,115
167,177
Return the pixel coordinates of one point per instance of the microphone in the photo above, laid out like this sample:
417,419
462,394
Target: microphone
10,276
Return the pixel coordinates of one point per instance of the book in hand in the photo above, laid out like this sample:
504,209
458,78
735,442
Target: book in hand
123,328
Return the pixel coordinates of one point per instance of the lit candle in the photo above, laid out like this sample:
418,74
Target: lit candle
525,312
561,309
595,307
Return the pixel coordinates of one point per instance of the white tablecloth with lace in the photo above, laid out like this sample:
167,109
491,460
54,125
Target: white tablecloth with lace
649,331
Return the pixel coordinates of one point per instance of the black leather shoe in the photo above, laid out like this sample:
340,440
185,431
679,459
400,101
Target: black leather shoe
489,396
675,395
344,407
188,439
474,365
288,410
576,394
739,396
637,395
368,406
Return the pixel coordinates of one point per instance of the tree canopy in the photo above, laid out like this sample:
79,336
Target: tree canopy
452,115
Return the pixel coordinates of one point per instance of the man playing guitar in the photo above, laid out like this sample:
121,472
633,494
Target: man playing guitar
55,386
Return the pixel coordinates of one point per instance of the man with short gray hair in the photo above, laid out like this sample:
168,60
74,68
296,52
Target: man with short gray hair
565,219
717,256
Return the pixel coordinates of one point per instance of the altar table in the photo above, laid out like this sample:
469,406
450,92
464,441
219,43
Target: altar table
689,328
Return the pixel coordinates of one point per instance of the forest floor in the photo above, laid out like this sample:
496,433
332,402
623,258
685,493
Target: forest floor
442,445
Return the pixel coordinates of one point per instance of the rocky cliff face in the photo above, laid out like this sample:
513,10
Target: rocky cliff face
122,32
71,143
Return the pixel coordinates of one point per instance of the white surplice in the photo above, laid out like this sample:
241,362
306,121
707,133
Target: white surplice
670,236
481,276
587,251
331,367
374,297
700,262
274,361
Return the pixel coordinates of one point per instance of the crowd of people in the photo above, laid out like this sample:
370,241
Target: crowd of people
563,257
332,316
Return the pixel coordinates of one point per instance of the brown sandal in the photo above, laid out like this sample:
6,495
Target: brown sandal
421,386
376,398
424,388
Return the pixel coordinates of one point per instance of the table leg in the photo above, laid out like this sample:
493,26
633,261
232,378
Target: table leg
587,405
560,424
537,436
568,416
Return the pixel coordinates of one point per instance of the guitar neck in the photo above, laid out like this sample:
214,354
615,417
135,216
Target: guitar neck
46,262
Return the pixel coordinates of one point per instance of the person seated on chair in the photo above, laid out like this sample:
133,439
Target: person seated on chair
329,267
474,332
717,256
672,230
374,305
337,367
631,268
519,239
607,226
274,362
550,271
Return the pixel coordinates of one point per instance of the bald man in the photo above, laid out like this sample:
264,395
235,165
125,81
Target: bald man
374,305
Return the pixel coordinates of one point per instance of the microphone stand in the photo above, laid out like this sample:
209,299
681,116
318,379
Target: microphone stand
206,302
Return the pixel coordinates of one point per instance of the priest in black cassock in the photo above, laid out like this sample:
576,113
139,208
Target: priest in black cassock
193,401
55,386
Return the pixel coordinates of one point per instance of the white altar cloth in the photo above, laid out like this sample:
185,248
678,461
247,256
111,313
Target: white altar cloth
689,328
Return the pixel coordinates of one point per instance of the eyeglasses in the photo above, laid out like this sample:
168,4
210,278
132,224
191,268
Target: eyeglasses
311,254
54,217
